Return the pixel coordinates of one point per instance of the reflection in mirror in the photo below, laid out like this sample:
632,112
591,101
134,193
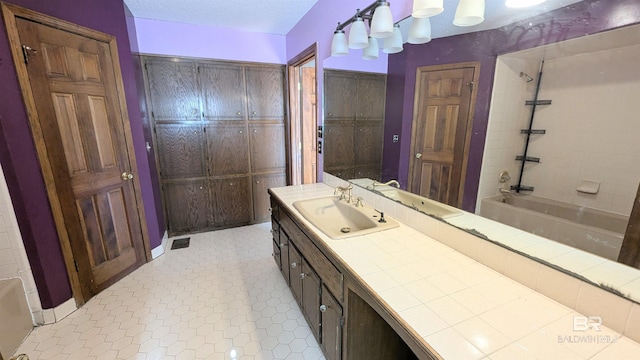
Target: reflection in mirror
587,154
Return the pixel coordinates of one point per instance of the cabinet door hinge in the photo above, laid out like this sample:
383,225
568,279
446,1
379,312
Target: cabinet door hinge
75,263
341,321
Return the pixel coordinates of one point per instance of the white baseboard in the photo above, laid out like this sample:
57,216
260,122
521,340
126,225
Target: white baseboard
159,250
50,316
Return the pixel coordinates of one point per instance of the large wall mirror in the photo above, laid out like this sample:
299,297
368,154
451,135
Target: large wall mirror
553,130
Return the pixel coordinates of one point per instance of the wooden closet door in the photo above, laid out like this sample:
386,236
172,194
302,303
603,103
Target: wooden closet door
173,88
265,93
340,95
223,91
267,147
371,90
232,201
228,149
261,202
182,151
188,205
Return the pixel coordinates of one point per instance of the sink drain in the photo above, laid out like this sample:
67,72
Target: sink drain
345,230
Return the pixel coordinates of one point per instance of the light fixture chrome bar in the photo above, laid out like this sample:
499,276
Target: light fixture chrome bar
366,13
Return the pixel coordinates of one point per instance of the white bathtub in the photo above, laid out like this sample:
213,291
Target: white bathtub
598,232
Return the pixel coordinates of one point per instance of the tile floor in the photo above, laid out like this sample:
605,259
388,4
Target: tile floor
221,298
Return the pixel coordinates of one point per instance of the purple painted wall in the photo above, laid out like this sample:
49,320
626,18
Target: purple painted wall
18,154
580,19
168,38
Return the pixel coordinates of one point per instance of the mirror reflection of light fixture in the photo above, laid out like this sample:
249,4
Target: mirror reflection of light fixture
420,31
358,38
469,13
372,51
382,21
339,44
522,3
426,8
393,43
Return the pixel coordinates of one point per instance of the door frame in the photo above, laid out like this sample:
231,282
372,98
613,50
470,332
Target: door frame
10,13
467,139
294,121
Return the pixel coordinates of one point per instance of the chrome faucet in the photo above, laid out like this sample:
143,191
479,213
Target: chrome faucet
343,190
390,182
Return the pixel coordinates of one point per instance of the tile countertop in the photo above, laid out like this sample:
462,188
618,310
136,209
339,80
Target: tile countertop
461,308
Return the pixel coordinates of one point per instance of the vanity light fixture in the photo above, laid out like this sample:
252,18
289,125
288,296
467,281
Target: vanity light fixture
420,31
469,13
393,44
358,38
382,21
372,51
426,8
522,3
339,45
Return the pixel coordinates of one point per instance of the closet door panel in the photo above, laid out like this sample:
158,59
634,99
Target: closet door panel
181,151
228,149
267,147
339,149
371,97
340,95
223,91
188,205
261,203
265,92
232,201
368,144
173,89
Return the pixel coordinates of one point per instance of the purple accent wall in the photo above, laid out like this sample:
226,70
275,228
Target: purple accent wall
18,154
580,19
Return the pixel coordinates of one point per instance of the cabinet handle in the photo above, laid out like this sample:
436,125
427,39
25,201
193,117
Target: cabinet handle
253,113
257,181
200,187
231,184
238,113
302,276
240,132
330,114
283,245
323,308
255,131
270,210
195,132
294,265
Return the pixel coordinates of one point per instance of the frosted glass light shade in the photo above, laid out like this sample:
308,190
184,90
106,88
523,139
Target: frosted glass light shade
339,44
382,21
522,3
469,13
393,44
419,31
426,8
358,38
372,51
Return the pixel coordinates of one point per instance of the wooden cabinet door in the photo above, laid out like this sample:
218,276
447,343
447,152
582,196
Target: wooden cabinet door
188,205
228,149
331,319
339,145
223,91
181,151
371,90
261,203
267,147
340,95
277,254
285,244
311,297
295,269
173,89
368,144
265,92
232,201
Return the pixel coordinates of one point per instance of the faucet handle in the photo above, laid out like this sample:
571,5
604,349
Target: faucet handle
359,202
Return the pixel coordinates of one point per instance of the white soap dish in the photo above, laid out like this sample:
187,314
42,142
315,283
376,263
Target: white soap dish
588,187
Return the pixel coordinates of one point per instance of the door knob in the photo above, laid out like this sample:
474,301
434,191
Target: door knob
323,308
418,156
126,176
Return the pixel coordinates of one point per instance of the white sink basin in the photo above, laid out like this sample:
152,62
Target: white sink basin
420,203
338,219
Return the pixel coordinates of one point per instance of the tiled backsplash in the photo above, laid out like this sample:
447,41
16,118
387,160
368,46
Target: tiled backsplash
620,314
13,258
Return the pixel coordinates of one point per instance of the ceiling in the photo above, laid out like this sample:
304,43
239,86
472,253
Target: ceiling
279,16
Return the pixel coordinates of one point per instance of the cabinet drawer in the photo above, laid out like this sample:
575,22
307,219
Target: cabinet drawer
325,269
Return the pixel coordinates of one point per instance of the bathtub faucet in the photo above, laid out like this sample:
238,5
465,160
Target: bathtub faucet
504,191
390,182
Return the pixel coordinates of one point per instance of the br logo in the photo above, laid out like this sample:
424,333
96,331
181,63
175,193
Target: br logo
586,323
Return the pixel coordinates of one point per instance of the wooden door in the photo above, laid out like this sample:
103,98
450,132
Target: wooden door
232,201
261,185
311,297
443,113
228,149
331,328
265,93
73,90
223,91
309,125
188,205
295,269
371,90
267,147
183,152
173,88
340,95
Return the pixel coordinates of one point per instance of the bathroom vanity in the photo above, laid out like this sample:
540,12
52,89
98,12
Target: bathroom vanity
400,294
